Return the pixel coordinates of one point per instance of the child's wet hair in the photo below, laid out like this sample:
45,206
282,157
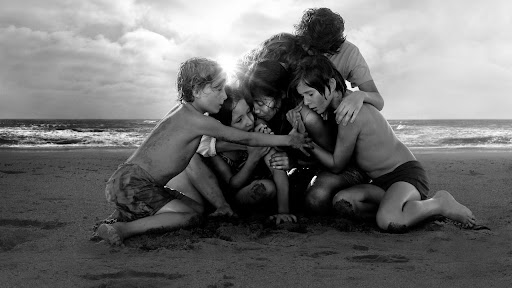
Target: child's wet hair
225,113
321,30
316,72
194,74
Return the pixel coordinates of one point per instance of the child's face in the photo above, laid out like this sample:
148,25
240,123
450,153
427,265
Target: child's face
241,117
265,107
213,95
313,99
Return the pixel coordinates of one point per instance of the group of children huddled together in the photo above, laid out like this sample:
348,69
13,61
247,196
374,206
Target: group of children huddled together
288,127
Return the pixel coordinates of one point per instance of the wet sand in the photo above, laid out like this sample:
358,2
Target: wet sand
51,200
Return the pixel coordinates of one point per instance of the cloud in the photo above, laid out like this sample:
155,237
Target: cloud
119,59
49,70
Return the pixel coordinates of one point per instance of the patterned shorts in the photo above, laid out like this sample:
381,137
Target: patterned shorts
136,194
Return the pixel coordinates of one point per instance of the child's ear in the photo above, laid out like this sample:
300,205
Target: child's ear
196,92
332,84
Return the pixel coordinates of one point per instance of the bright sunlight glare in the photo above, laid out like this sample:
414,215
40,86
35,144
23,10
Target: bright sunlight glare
228,64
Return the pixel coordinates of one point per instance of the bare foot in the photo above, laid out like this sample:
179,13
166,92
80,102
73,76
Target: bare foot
454,210
109,233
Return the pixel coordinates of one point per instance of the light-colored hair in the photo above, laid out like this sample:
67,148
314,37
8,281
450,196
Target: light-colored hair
194,74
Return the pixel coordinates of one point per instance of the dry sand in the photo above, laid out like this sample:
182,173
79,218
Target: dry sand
51,199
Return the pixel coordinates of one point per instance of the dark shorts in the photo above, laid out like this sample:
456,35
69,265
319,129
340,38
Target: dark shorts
411,172
300,178
136,194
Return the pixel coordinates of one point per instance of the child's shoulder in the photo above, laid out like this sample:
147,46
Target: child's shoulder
187,112
368,117
308,115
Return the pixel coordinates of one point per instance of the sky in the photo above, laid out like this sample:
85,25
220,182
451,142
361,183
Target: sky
430,59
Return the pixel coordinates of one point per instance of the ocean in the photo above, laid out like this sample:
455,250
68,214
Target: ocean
416,134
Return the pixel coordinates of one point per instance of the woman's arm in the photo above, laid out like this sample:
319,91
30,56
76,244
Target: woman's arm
212,127
351,104
223,146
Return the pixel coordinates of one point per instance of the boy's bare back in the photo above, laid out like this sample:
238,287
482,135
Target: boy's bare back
377,149
170,146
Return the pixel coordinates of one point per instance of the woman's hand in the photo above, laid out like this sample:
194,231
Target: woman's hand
349,107
298,140
279,160
263,128
294,115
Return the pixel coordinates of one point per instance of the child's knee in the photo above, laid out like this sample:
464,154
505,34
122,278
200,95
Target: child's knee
257,192
317,200
342,195
343,205
316,195
390,222
264,189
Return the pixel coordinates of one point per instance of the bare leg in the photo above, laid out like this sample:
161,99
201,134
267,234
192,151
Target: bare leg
257,192
123,230
174,215
324,186
182,183
198,181
360,201
402,207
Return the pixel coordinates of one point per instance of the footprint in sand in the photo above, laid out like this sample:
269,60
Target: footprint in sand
322,253
14,232
11,238
376,258
474,173
45,225
131,278
12,171
360,248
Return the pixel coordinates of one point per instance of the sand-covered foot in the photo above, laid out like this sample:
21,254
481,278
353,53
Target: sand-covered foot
454,210
109,233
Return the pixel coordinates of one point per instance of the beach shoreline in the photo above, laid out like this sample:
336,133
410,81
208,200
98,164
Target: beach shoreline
52,198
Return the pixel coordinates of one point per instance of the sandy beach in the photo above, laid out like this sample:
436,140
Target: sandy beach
52,198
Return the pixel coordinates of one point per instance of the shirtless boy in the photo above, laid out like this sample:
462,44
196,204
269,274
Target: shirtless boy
397,195
137,187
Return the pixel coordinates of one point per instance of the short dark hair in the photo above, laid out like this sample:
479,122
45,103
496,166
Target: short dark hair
316,71
321,31
194,74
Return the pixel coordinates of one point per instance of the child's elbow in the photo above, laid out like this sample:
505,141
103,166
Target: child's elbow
380,104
